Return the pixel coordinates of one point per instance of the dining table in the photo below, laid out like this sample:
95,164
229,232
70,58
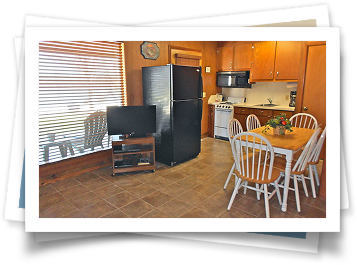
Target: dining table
287,145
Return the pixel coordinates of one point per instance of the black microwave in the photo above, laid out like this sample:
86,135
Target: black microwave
233,79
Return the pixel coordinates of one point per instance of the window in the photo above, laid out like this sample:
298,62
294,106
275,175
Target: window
185,56
77,80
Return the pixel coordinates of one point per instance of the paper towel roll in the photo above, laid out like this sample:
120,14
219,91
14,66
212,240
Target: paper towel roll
291,85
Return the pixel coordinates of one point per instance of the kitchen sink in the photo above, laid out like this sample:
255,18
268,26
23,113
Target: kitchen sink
267,105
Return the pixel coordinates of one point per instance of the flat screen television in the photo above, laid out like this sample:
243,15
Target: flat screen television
137,121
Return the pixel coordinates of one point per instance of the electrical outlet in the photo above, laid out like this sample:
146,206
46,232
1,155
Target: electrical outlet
204,94
286,97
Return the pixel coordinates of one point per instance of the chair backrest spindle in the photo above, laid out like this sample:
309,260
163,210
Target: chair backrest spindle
304,120
256,162
252,122
315,154
303,159
234,128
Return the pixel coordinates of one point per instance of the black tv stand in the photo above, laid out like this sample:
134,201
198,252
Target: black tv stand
127,136
138,136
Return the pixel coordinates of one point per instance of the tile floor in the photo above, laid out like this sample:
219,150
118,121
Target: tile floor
193,189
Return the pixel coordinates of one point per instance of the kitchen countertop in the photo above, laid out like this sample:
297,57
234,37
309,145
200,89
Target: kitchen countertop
247,105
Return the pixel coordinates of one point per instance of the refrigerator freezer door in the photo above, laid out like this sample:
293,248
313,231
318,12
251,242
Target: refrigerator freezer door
156,91
186,129
187,82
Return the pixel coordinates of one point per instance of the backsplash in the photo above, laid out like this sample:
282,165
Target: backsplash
260,92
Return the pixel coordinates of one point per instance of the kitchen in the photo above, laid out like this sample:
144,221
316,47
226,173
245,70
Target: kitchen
275,71
214,57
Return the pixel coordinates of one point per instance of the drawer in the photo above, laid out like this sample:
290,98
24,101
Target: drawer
288,114
241,110
263,112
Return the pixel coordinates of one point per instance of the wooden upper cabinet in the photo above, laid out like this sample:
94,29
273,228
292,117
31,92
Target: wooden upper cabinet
225,58
266,60
243,55
263,61
287,60
276,61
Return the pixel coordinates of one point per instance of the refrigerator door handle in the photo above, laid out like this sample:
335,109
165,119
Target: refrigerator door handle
200,106
200,95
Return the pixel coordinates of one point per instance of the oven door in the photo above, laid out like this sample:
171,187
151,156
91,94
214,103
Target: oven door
222,117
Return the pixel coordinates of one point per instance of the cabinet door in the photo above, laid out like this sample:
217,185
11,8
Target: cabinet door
288,114
242,57
210,121
263,115
263,61
242,118
241,115
287,60
225,58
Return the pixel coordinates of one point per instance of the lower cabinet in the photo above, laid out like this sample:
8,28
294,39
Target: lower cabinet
263,115
241,115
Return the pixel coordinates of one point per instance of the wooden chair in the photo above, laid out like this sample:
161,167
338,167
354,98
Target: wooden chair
95,128
314,160
234,128
253,165
304,120
252,122
298,167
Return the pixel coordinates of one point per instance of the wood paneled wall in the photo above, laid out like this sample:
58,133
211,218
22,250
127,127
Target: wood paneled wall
134,61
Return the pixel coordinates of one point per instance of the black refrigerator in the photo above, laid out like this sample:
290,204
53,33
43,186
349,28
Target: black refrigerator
177,93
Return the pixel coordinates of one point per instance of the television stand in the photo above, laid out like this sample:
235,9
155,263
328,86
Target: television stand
133,154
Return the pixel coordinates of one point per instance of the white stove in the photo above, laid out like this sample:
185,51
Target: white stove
223,114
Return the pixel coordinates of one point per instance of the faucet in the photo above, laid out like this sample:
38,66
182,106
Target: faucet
270,100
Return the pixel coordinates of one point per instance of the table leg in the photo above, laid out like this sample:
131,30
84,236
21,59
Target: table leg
288,157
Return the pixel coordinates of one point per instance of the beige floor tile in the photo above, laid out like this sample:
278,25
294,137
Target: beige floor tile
98,209
85,200
157,198
51,199
58,210
175,208
137,208
121,199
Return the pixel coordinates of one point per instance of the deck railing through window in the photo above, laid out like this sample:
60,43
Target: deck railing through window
77,80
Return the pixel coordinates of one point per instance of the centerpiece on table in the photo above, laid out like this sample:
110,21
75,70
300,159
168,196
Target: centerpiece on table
280,124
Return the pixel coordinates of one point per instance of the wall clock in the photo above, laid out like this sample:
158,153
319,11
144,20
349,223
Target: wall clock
150,50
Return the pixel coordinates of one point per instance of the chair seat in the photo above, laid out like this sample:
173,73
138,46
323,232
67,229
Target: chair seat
313,163
280,164
274,175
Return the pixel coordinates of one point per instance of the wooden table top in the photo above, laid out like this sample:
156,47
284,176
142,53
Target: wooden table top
294,140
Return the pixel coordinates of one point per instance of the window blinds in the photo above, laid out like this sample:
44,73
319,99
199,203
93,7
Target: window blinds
77,81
